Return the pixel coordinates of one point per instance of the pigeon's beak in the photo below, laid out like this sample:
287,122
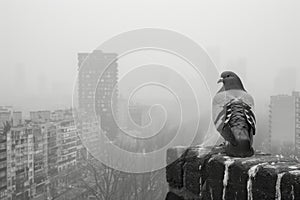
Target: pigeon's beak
220,80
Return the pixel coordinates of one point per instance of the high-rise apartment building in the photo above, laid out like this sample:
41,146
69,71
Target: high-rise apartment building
3,163
284,123
97,88
297,121
38,159
20,167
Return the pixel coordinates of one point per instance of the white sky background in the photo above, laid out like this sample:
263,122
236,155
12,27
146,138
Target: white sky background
40,40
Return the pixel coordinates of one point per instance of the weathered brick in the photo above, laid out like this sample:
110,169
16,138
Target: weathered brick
174,170
205,171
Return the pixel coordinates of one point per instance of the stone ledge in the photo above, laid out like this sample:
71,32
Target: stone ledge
206,173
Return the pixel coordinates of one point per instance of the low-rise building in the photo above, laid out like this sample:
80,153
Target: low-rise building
8,114
40,116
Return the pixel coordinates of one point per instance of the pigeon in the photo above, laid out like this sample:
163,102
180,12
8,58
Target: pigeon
233,116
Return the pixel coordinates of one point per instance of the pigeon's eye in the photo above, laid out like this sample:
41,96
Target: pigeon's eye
228,76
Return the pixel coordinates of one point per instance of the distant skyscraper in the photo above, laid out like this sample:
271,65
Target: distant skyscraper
97,88
285,123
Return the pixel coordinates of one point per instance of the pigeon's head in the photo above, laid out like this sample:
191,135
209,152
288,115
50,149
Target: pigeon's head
231,81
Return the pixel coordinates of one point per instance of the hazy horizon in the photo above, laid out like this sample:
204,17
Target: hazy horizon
41,39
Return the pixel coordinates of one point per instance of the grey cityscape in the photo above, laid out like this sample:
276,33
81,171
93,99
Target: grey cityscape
116,100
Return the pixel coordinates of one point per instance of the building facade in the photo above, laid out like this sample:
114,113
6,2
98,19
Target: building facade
3,163
20,167
38,157
68,141
37,160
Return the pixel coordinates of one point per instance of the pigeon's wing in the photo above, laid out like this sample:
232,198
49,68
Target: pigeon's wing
249,111
248,105
221,99
221,114
250,118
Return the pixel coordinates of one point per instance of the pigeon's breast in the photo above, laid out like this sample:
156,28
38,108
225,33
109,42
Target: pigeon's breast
224,97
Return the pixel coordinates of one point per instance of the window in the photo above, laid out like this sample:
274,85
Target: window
2,146
3,155
2,164
2,174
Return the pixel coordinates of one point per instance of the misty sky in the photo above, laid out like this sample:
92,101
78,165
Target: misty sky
40,41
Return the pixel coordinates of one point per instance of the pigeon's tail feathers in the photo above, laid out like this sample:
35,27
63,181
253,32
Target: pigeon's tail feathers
239,124
243,137
228,135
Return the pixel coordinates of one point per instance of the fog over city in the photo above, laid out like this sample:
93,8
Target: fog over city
119,99
40,41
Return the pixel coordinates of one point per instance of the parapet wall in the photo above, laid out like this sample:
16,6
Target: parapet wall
206,173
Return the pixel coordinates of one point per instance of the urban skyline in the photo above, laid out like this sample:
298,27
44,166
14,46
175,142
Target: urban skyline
115,100
44,79
37,150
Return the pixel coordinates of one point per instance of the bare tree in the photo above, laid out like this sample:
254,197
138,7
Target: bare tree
106,183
